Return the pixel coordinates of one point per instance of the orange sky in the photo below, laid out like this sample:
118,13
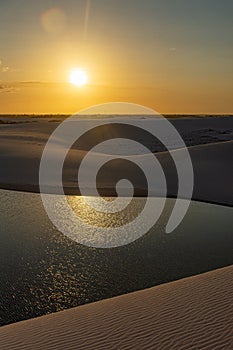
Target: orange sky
174,58
65,98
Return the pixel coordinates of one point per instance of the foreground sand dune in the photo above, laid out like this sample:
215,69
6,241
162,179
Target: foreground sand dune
193,313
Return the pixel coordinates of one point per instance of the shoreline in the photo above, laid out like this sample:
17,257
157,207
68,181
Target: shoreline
105,193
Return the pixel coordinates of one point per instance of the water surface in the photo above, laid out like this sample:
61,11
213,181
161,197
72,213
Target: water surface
43,271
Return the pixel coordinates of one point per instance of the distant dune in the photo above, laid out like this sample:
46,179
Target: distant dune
192,313
209,140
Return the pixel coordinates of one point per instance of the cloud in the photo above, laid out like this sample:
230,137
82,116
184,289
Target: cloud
5,69
8,88
172,49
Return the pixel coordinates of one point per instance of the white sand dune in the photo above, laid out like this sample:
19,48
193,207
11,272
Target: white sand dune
20,160
22,145
192,313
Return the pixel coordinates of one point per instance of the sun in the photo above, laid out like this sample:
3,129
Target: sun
78,77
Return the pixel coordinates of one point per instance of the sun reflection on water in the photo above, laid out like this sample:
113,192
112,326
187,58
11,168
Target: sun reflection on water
101,219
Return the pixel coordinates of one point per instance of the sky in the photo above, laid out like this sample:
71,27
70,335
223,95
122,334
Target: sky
174,56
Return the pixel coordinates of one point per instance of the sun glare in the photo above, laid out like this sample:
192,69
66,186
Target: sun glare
78,77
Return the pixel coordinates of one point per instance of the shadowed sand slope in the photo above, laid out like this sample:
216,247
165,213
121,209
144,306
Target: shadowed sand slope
193,313
212,165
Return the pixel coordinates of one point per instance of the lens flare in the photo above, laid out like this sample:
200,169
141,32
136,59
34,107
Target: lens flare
54,21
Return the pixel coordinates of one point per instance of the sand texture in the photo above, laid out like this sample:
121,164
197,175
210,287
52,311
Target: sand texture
192,313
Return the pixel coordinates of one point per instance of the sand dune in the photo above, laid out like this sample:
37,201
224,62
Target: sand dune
212,170
193,313
22,146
